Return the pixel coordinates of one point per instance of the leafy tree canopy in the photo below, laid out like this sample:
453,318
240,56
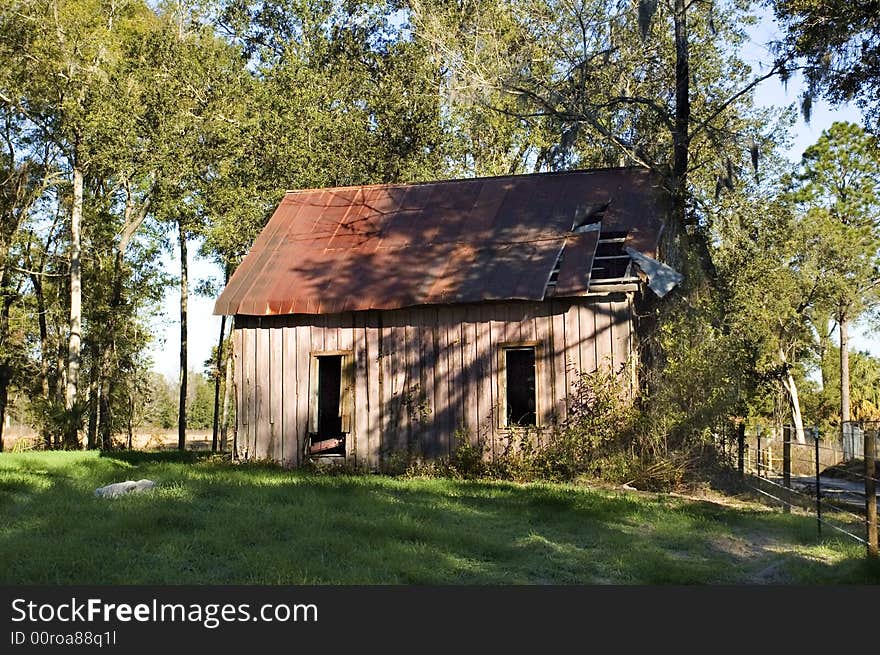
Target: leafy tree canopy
839,44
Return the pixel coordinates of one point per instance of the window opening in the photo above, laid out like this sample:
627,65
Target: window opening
520,390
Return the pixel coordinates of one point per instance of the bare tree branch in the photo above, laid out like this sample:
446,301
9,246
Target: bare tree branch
724,105
581,117
133,219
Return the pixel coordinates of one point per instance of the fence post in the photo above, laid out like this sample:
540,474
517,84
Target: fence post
818,487
870,491
741,448
786,464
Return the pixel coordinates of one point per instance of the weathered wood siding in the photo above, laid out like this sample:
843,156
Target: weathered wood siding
420,374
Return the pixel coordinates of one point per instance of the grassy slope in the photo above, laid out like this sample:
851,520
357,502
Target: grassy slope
210,522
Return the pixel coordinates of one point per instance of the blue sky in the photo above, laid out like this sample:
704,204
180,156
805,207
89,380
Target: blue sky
204,327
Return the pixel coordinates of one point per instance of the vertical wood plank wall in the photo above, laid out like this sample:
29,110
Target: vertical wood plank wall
420,373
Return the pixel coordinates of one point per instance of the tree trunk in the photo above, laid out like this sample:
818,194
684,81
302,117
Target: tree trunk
824,342
5,368
4,399
108,354
37,283
130,423
5,377
181,411
40,297
843,323
109,361
227,395
71,438
44,345
217,376
105,406
680,138
794,402
92,429
60,383
36,276
870,441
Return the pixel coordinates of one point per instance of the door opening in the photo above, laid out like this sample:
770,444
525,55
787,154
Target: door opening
329,438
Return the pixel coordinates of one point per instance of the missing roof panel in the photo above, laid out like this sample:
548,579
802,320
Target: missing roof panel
552,281
611,262
589,217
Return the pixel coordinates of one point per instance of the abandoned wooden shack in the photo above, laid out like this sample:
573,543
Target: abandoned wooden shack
384,319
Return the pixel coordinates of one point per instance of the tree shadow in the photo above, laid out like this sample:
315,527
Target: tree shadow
137,457
209,523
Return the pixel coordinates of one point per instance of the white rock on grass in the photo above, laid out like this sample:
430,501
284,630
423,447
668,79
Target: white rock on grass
122,488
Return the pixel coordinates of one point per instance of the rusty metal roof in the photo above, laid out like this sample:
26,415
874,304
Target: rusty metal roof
398,245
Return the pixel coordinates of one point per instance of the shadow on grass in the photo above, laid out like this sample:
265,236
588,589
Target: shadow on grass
151,456
213,523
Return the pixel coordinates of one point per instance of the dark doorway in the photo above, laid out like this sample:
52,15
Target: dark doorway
329,414
520,368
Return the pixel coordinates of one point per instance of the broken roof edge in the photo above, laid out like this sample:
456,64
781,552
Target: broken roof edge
662,278
388,185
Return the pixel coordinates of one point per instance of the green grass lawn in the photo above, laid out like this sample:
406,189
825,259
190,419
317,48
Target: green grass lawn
215,523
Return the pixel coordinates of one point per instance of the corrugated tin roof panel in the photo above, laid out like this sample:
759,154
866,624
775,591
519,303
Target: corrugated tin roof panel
391,246
573,275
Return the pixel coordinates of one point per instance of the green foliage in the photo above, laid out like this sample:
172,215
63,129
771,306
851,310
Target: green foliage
768,292
162,407
200,403
73,91
562,85
823,402
838,44
791,254
600,420
697,373
50,418
838,192
466,460
340,96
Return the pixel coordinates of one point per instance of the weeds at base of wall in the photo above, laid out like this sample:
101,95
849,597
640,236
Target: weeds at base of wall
671,471
336,467
602,438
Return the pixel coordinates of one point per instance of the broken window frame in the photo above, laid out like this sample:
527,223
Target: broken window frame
503,347
609,251
346,398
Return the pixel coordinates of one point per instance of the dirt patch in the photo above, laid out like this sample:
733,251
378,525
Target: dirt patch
699,493
772,574
736,546
764,556
705,494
